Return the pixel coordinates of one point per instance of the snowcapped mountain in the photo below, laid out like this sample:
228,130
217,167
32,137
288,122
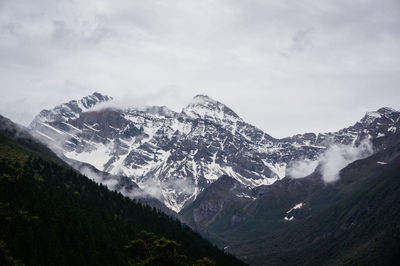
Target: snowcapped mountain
203,107
376,124
174,156
264,222
71,109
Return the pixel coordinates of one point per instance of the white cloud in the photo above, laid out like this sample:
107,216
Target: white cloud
302,168
331,162
339,156
271,61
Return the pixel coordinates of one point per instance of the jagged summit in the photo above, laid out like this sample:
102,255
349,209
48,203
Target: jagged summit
204,107
374,124
381,113
71,109
386,110
97,95
202,98
174,156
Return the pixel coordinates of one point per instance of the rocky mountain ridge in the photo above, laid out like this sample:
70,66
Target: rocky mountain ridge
286,222
174,156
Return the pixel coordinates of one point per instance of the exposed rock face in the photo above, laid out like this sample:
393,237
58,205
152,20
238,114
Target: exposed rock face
219,202
205,212
173,156
376,124
306,214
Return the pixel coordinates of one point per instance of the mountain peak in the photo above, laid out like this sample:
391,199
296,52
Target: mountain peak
204,107
386,110
382,112
71,109
92,100
202,98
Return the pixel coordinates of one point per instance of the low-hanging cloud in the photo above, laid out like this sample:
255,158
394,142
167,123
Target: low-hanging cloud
154,187
339,156
140,102
334,159
115,184
300,169
110,183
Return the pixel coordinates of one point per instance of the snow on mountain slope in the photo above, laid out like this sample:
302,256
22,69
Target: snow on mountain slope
71,109
375,124
204,107
174,156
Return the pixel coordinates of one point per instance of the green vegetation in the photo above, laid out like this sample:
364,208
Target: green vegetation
354,221
362,228
148,249
52,215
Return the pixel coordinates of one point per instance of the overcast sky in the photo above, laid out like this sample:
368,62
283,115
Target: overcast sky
285,66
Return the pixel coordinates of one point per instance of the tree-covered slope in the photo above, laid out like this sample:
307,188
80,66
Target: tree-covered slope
306,221
52,215
359,224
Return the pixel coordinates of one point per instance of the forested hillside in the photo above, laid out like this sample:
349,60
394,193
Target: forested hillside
354,221
52,215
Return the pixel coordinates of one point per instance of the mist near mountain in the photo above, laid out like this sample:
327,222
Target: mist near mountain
330,162
301,168
295,61
173,156
337,157
178,159
308,221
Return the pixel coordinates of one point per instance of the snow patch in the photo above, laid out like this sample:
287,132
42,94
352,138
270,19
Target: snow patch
44,135
392,129
289,219
297,206
278,168
243,195
98,156
370,117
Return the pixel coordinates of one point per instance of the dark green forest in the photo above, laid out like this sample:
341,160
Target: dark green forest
52,215
354,221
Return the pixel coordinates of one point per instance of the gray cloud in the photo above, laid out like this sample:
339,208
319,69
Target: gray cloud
301,168
339,156
284,66
302,39
331,162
